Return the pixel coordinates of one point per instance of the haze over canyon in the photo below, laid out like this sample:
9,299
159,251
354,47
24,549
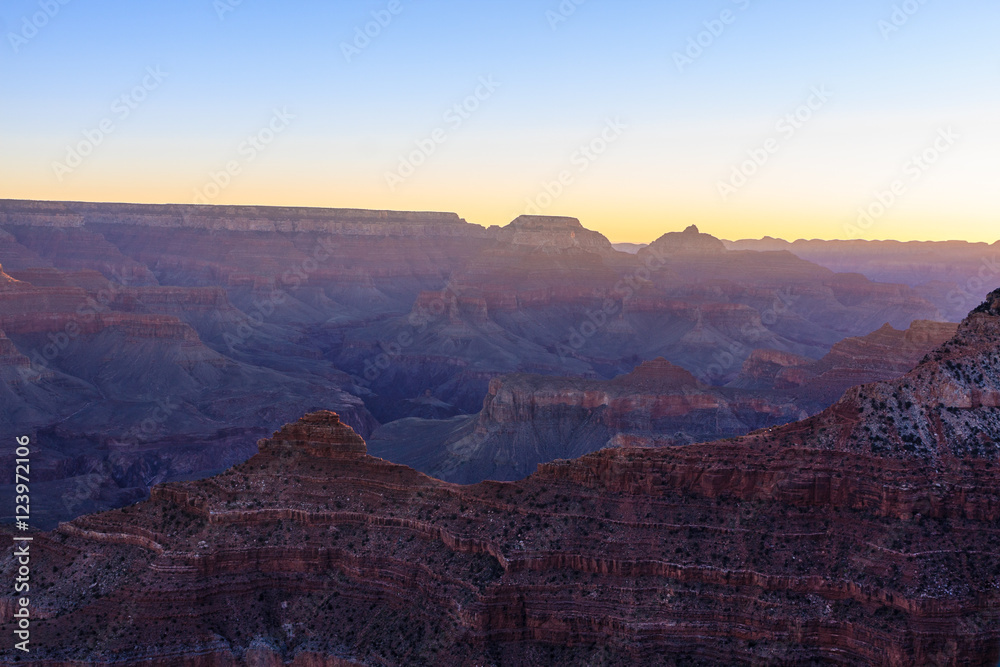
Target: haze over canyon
293,436
147,343
865,534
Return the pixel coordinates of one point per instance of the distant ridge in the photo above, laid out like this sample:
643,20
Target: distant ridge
15,212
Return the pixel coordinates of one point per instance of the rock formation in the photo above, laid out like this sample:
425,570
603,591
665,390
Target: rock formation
691,240
551,304
239,318
122,390
527,420
552,233
953,275
814,384
831,540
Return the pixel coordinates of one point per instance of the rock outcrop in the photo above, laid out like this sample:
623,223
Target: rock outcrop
691,240
552,233
240,318
884,354
527,420
821,541
320,434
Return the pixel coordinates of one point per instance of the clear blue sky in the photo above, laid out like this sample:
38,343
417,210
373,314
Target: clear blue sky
687,128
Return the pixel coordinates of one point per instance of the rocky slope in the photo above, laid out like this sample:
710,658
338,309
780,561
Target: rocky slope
527,420
165,340
547,297
826,541
124,393
882,355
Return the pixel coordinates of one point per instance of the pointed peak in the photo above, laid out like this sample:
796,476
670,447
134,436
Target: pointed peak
691,240
660,371
318,434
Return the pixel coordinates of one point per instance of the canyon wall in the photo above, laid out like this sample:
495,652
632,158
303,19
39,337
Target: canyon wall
527,420
823,541
163,340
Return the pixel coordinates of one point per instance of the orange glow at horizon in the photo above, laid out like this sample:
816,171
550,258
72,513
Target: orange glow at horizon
620,222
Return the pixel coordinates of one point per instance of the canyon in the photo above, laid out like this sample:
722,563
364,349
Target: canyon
144,343
865,534
527,420
953,275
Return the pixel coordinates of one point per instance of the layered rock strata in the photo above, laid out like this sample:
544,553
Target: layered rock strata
531,419
825,541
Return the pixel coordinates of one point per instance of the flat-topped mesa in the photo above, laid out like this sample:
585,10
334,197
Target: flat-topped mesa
546,222
319,434
18,213
691,240
552,232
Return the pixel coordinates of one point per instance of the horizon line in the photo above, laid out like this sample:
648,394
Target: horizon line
466,221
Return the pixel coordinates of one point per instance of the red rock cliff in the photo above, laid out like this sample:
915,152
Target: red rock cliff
802,544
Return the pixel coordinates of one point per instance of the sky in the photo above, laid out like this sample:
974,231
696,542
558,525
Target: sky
791,118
